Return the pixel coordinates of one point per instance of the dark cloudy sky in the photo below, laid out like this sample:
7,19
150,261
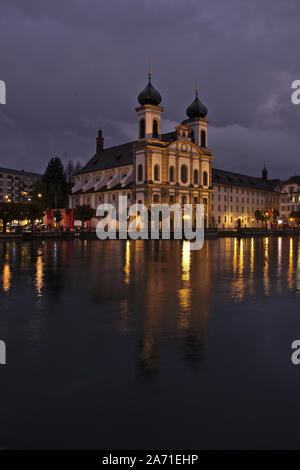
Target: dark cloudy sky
71,66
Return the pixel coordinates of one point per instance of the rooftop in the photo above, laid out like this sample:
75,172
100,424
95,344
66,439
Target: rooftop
241,180
19,172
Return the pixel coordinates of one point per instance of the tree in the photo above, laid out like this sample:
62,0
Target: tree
275,215
58,216
259,216
33,211
84,213
52,190
9,211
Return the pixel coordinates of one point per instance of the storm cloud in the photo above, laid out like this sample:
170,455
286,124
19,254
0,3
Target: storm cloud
71,66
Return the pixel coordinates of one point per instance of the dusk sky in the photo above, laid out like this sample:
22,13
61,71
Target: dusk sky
71,66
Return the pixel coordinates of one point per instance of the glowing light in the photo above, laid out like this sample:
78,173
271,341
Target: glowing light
186,260
39,277
6,277
127,262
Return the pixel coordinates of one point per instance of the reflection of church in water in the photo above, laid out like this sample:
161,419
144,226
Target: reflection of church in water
172,168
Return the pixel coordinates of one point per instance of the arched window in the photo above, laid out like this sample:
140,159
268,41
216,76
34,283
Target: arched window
142,128
140,173
172,173
203,138
155,128
196,177
171,199
205,178
156,198
183,199
184,173
204,200
156,172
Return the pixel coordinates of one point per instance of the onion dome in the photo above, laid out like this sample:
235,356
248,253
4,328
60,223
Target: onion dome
149,95
196,109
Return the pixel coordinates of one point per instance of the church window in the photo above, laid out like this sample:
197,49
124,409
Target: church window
205,178
184,173
196,176
155,129
156,172
140,172
172,173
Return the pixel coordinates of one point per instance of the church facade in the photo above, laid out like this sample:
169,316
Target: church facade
172,168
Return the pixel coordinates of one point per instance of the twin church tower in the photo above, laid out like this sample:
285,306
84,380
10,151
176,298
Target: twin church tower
156,168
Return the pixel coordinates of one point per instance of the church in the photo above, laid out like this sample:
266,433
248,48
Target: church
170,168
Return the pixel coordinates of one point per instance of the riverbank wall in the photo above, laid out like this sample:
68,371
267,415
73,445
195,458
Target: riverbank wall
210,234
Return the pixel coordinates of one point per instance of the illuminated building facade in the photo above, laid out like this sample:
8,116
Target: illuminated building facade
16,185
290,198
173,168
156,168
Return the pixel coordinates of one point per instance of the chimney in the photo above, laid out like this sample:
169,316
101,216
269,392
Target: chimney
100,142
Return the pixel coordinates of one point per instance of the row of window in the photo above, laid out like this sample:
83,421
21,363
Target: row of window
183,174
142,129
246,191
237,199
155,131
248,210
184,199
290,208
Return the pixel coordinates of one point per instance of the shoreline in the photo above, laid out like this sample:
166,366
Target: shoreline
210,234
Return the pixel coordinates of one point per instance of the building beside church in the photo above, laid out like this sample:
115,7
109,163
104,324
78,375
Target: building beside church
172,168
289,198
16,185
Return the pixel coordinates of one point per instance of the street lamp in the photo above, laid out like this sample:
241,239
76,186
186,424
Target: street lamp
40,195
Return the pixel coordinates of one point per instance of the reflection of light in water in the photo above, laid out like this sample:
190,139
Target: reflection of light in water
252,256
124,323
184,294
291,267
238,286
266,267
127,262
235,256
39,275
6,277
251,277
186,260
279,261
241,260
298,267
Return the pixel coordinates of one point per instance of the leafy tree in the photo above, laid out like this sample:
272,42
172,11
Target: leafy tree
33,211
9,211
58,216
53,187
84,213
259,216
275,215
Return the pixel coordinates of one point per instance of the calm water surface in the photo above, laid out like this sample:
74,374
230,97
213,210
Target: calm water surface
150,345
